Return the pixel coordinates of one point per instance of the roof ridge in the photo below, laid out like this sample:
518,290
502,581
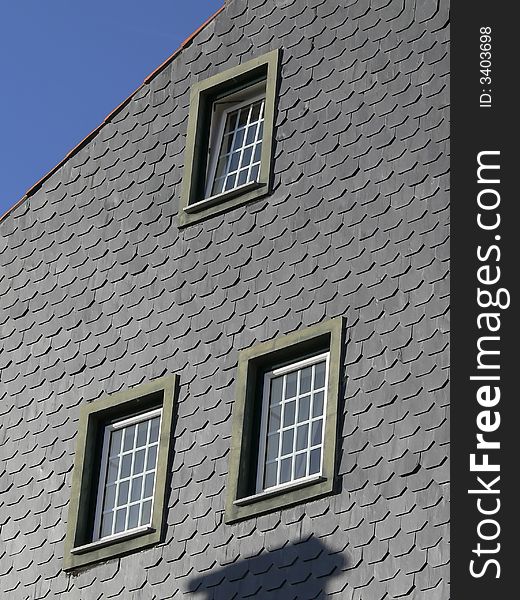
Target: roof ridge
112,113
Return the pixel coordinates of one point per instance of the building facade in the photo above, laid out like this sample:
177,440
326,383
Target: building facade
148,277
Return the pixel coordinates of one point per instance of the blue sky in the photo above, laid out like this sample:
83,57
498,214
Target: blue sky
65,64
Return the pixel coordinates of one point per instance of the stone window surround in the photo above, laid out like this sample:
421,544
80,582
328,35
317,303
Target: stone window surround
79,550
193,207
242,502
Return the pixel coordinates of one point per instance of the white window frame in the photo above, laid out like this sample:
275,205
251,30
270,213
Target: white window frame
108,429
217,128
260,489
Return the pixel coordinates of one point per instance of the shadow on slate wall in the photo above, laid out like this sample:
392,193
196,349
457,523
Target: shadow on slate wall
295,571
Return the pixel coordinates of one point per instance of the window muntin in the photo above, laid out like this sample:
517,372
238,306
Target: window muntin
293,422
128,472
239,143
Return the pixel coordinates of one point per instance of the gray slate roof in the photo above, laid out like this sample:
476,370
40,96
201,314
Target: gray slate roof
99,291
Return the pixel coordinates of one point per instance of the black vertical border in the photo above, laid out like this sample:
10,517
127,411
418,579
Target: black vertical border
475,129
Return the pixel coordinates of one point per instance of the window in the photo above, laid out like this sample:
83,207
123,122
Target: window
229,140
293,414
128,463
120,470
284,421
238,145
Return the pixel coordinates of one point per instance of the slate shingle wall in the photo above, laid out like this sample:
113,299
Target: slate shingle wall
99,291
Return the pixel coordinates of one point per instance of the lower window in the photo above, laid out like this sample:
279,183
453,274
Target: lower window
293,416
120,471
284,421
128,466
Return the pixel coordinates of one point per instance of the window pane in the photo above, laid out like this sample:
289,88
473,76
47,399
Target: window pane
317,404
253,176
151,458
243,115
316,432
230,182
285,471
258,154
270,475
231,122
115,442
146,512
154,430
135,493
227,146
219,185
290,385
242,176
272,446
246,157
233,163
221,167
126,463
106,524
276,390
305,380
110,497
251,134
129,438
289,413
148,485
287,441
139,462
120,520
133,516
255,113
302,437
303,408
113,468
274,417
238,142
122,494
319,376
300,465
315,461
142,434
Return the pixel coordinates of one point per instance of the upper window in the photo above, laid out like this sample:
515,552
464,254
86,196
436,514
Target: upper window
229,141
237,150
120,470
284,421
